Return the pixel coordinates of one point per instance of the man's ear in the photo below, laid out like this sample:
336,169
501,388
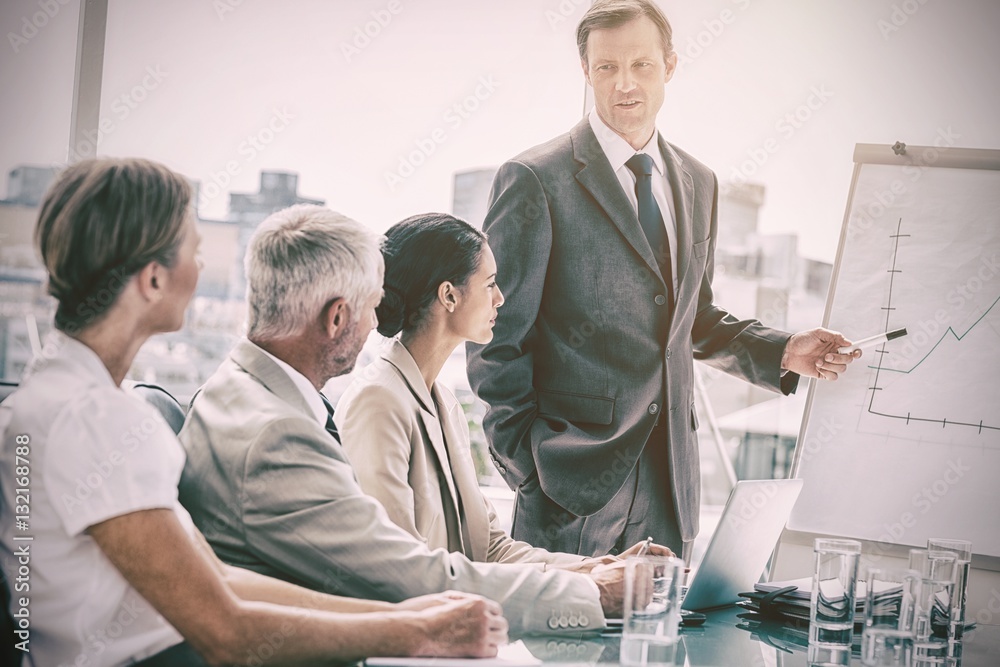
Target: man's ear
586,70
335,317
150,281
448,296
671,63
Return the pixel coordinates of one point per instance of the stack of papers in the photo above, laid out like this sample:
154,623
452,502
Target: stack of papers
794,604
786,637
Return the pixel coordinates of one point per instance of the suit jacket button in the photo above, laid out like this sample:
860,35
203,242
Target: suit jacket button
653,408
668,353
503,471
660,299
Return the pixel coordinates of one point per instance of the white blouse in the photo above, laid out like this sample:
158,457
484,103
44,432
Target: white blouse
89,451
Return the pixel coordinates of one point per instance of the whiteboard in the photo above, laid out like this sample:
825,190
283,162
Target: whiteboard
906,444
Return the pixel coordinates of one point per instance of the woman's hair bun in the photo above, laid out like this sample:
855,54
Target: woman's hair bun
391,312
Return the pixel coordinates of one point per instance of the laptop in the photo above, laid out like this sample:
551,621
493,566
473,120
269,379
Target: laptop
748,530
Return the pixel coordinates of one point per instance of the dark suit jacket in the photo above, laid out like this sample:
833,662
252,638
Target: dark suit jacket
585,354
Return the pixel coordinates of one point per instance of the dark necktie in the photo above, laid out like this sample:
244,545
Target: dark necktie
331,428
650,219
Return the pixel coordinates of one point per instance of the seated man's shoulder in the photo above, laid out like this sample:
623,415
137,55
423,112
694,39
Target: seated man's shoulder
235,408
240,394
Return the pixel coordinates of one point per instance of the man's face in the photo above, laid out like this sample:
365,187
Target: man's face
626,67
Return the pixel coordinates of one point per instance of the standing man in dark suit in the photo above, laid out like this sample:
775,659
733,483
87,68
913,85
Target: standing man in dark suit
604,238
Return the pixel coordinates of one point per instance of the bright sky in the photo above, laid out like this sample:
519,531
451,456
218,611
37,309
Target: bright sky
777,90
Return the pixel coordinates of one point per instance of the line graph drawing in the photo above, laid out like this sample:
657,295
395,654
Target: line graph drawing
948,332
882,353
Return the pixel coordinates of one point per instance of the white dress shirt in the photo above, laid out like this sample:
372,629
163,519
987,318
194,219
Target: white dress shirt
618,151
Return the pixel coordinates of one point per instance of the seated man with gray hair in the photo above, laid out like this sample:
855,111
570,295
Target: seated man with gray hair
266,478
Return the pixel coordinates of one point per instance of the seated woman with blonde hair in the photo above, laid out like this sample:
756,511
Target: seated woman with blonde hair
405,433
118,572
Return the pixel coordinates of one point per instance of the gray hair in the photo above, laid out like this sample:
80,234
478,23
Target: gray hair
301,258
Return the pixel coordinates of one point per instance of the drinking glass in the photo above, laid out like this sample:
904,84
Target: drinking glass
888,637
833,599
933,609
963,558
652,610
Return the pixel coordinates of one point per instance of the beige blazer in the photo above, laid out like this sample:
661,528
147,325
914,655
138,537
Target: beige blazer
410,449
273,492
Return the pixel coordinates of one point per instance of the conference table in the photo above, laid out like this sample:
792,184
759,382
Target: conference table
731,637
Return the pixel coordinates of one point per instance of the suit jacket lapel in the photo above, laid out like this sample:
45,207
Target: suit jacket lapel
601,182
433,429
249,357
399,357
682,187
473,510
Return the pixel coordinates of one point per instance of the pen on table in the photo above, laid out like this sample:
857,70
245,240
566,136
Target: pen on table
872,341
645,546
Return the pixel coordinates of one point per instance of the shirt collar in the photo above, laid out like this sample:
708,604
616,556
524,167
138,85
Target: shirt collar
303,384
618,151
60,348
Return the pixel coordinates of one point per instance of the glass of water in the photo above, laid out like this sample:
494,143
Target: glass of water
652,610
934,602
888,637
963,558
833,600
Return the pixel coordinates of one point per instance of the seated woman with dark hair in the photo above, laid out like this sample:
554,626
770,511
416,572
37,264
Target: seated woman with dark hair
405,433
118,572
